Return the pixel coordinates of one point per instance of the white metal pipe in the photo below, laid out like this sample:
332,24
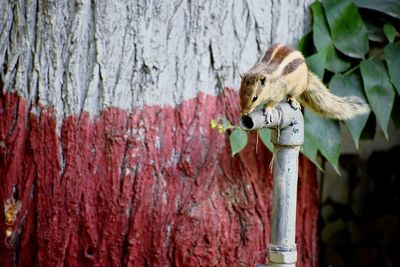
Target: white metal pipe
282,249
287,135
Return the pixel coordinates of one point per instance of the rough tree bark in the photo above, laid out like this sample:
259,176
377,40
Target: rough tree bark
105,137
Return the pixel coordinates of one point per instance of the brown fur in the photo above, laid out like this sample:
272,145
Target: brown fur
268,54
292,66
323,102
281,53
282,72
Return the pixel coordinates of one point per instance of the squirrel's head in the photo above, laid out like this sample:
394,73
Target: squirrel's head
251,87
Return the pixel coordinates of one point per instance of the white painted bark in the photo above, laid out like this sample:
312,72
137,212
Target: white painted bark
88,55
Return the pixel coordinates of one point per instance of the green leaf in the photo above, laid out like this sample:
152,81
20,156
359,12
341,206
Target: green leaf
390,32
379,91
333,62
375,29
325,134
390,7
323,42
348,31
316,63
265,135
392,56
305,45
238,140
321,35
350,85
310,150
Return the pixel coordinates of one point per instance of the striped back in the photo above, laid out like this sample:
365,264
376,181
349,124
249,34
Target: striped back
279,60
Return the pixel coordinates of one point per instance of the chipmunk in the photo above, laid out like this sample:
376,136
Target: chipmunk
282,72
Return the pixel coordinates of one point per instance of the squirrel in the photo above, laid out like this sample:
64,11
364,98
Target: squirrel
282,72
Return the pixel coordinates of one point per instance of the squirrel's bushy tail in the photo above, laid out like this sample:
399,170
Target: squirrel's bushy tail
319,99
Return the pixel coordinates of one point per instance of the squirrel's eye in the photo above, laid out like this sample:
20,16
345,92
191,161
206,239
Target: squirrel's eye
255,98
262,81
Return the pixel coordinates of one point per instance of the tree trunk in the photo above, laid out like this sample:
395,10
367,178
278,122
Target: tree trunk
105,139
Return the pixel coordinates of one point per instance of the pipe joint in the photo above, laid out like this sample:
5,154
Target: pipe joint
282,254
286,123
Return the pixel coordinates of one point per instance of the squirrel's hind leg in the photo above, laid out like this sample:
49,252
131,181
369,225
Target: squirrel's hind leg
293,103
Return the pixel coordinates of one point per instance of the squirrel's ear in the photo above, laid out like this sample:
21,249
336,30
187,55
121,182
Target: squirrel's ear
241,76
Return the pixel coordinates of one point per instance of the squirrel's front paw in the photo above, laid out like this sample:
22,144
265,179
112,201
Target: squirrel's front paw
294,104
268,116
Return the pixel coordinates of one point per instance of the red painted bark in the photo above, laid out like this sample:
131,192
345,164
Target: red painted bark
157,187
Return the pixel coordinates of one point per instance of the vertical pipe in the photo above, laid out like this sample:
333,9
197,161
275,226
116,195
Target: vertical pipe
287,135
282,248
287,139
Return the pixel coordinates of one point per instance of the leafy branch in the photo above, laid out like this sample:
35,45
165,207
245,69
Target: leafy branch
238,137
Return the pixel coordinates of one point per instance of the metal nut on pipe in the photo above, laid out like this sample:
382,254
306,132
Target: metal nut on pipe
282,254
